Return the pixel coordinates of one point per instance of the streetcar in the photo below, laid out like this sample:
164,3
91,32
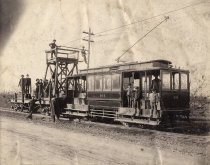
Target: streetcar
102,93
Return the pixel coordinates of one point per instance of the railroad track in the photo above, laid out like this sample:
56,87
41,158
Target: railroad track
193,127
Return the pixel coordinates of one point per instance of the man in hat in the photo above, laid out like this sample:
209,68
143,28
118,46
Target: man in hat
155,85
53,47
21,84
27,84
83,51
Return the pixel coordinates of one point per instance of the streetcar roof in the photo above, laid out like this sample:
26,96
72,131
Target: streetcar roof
166,62
128,67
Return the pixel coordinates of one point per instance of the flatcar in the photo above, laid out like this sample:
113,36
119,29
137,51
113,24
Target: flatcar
126,93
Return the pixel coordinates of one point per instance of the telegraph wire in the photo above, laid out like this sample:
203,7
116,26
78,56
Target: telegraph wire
162,14
143,20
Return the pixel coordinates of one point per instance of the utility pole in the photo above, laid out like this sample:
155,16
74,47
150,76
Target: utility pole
89,41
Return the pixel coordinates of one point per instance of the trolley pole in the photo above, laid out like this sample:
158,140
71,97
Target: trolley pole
89,33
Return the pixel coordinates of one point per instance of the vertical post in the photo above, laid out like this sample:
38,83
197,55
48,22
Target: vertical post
46,57
88,49
56,75
89,41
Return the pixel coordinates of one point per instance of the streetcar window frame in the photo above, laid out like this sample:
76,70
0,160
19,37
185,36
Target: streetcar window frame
107,82
116,81
168,87
98,82
90,83
186,81
175,81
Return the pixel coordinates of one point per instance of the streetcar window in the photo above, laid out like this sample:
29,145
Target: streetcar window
136,82
184,81
98,82
166,80
90,83
175,81
107,83
125,82
116,82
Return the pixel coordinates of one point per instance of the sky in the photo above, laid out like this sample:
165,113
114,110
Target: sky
28,26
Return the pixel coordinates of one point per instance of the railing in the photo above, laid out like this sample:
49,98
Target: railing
63,52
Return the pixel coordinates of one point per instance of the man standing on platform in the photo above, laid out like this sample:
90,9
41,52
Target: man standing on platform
22,86
53,47
155,85
28,84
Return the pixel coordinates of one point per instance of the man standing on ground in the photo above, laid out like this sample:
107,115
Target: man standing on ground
31,107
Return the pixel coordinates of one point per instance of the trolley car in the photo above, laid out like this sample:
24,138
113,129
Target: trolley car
102,92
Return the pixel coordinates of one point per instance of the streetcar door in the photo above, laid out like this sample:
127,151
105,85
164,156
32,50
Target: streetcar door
70,90
128,84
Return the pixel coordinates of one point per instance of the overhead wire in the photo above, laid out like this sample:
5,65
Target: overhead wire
127,28
166,18
99,34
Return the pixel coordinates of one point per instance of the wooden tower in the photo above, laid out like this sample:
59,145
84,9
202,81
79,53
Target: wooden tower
64,62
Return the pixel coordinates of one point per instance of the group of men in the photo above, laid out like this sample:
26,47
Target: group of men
25,85
134,96
42,88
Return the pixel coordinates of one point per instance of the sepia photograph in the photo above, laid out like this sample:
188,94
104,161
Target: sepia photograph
104,82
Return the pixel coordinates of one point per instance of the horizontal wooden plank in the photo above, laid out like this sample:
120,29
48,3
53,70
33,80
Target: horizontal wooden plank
76,114
102,116
81,110
138,121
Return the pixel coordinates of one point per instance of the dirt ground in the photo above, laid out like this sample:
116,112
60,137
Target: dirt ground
43,143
